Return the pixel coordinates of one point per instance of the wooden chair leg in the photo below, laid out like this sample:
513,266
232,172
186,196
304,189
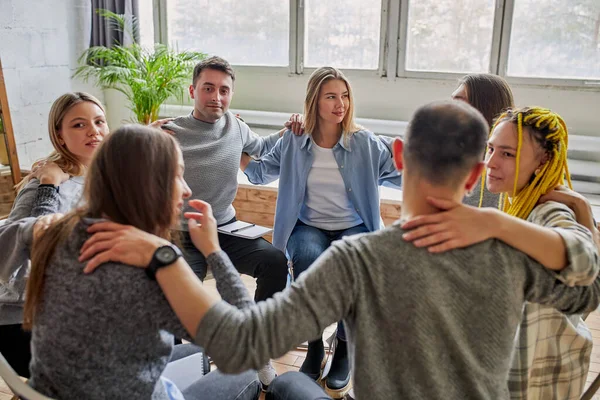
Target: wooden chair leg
591,391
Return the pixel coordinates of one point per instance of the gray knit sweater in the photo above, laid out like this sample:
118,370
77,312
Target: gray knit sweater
107,335
421,325
212,155
16,236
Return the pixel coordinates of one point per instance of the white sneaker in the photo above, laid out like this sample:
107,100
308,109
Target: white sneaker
266,375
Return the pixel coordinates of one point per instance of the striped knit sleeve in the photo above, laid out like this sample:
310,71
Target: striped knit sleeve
46,201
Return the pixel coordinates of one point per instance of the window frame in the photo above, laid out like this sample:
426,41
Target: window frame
392,46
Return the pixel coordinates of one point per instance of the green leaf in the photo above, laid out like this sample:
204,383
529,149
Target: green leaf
146,76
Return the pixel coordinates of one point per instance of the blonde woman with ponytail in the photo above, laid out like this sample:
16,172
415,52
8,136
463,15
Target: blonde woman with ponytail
527,165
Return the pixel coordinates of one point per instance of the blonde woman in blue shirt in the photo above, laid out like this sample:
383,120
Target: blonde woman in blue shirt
329,181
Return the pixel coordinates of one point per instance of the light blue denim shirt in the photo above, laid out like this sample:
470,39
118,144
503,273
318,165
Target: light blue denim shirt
365,162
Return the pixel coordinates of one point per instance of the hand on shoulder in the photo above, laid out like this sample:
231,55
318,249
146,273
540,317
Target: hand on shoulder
48,172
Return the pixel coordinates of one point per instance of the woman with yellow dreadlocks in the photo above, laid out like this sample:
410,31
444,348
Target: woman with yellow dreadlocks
527,165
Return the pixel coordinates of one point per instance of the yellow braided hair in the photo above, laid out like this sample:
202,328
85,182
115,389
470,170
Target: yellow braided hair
550,130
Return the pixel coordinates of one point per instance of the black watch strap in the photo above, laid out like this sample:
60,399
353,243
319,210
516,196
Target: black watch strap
163,256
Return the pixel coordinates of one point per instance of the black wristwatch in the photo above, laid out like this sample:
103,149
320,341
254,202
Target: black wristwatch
163,256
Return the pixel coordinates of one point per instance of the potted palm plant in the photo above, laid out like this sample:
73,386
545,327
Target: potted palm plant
147,77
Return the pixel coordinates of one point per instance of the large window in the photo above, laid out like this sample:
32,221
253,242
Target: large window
539,41
342,36
146,23
555,39
450,35
249,32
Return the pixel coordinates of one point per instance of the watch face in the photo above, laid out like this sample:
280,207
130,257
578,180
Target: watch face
166,255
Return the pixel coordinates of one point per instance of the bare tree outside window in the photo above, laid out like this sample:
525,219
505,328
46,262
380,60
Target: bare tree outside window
249,32
449,35
555,39
343,35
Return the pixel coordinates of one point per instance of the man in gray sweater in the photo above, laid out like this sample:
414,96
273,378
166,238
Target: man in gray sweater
421,325
212,140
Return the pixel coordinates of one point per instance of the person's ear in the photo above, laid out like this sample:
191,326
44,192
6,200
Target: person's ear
543,161
397,149
474,176
191,89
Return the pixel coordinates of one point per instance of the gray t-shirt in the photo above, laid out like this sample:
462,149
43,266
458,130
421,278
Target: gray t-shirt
420,325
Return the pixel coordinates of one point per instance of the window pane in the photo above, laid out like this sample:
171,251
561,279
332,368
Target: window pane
249,32
555,39
146,21
344,35
449,35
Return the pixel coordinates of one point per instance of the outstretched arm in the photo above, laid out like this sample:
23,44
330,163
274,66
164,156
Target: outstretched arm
265,170
265,330
554,238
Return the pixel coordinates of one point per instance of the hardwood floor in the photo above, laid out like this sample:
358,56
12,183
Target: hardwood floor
293,359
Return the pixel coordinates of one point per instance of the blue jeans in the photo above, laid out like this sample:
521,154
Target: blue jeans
219,386
306,243
295,386
215,385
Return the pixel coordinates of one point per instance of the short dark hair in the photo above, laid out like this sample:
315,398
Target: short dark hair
216,63
445,140
488,93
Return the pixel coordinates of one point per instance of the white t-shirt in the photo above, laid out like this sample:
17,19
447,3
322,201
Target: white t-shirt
326,203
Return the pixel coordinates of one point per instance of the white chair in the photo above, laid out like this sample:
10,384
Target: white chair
13,381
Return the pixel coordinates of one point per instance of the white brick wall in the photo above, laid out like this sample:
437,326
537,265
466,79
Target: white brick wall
40,42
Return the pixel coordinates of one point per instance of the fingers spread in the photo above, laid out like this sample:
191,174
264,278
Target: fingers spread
423,220
97,261
96,248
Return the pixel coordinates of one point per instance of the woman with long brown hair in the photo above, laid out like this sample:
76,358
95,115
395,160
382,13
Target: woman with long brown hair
76,126
110,336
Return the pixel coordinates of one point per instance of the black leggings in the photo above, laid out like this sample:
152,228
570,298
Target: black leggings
15,346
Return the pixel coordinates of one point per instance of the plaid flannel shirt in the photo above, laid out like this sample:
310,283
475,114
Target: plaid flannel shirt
552,350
